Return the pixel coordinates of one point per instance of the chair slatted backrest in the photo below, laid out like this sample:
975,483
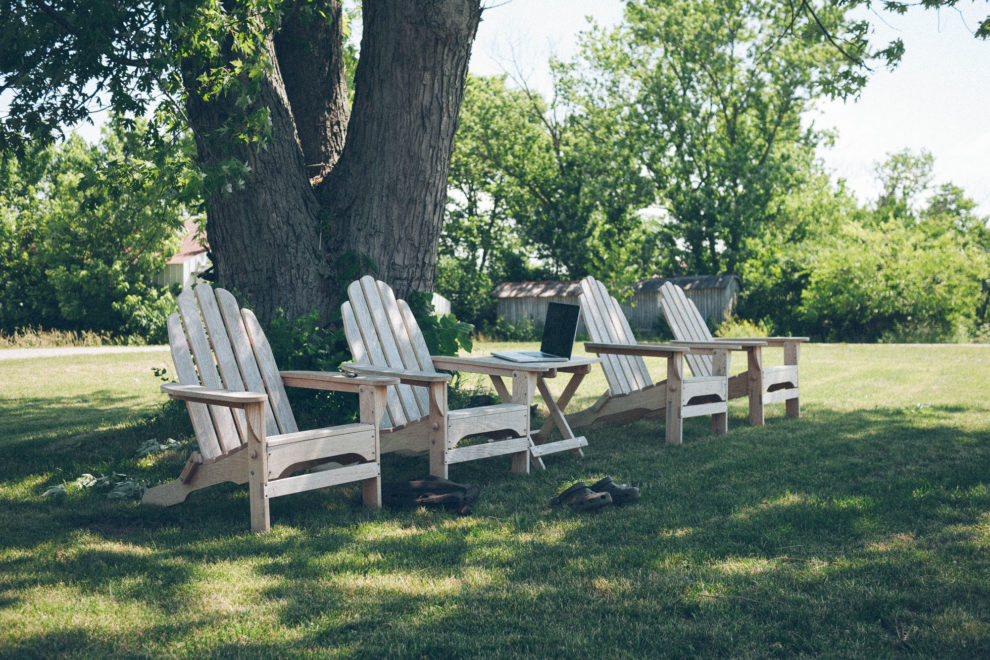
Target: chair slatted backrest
382,332
608,325
219,346
687,324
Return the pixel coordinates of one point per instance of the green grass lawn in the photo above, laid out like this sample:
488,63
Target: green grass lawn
861,530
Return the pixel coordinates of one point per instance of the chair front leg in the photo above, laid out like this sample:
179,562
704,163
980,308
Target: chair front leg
257,451
438,430
721,367
372,403
675,399
754,371
792,353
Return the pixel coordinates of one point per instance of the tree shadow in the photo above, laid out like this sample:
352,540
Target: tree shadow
835,533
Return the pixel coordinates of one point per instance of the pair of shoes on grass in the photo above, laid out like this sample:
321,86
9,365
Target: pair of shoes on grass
582,497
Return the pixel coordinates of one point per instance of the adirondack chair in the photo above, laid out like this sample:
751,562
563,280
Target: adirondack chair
386,340
243,423
632,394
761,384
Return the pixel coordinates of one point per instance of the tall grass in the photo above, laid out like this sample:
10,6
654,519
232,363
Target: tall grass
42,338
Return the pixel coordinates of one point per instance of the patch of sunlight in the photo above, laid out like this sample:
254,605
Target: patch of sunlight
788,499
958,625
796,500
610,588
409,583
386,531
87,541
897,542
679,533
746,566
228,587
976,535
30,488
60,607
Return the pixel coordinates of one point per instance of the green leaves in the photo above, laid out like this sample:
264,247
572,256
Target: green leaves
87,229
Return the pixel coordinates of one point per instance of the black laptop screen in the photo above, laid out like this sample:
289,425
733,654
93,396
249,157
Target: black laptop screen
560,329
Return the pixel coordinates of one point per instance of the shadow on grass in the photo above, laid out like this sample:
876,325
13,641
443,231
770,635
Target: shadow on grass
837,534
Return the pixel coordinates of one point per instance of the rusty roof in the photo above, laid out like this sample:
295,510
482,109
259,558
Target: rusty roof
545,289
192,244
570,288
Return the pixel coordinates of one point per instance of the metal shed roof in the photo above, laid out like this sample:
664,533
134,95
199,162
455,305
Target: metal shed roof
686,282
536,289
551,289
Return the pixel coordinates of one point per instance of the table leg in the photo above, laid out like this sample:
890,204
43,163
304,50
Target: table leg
556,409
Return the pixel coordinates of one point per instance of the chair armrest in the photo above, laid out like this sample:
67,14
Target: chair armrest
644,350
200,394
737,343
708,347
769,341
337,382
406,377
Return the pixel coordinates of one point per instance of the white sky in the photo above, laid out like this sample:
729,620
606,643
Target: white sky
938,98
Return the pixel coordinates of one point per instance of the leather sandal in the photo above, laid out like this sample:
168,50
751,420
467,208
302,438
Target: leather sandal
620,493
581,498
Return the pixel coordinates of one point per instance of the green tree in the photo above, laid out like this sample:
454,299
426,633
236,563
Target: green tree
715,91
301,184
903,177
86,229
534,178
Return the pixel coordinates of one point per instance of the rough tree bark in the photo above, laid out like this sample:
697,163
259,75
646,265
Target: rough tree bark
321,197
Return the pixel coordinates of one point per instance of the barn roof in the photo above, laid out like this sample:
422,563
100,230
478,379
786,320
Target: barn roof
686,282
550,289
190,246
546,289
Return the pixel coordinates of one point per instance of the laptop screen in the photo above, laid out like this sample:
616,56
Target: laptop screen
560,329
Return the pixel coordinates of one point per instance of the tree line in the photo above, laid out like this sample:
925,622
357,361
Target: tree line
673,144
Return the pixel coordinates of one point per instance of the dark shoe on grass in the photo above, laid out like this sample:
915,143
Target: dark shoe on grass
620,493
581,498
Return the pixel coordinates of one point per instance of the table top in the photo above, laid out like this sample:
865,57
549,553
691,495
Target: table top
497,366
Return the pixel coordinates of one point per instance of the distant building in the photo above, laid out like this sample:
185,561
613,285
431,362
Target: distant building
191,260
714,295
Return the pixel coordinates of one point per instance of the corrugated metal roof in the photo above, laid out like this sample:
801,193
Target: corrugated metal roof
686,282
536,289
571,288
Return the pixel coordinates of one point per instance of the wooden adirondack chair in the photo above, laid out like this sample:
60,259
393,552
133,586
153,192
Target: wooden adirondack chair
632,394
244,427
386,340
761,384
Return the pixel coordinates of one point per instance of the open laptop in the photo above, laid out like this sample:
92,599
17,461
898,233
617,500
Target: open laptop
559,332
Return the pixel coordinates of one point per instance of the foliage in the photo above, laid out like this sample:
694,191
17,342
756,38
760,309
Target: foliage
303,343
86,229
712,93
737,327
443,333
892,282
529,186
897,271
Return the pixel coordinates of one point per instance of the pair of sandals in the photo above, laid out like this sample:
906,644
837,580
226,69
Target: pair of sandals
582,497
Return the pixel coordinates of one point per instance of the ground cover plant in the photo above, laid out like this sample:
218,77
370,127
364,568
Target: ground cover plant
862,529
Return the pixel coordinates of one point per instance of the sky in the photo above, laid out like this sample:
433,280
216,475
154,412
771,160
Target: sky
938,98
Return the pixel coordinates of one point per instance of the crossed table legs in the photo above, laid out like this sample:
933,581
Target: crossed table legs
527,379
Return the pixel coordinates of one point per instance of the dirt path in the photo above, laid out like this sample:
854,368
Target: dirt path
26,353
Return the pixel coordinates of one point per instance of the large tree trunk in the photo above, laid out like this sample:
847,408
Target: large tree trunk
386,196
379,194
262,222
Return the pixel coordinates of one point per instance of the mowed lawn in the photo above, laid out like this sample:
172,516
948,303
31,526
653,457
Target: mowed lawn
860,530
